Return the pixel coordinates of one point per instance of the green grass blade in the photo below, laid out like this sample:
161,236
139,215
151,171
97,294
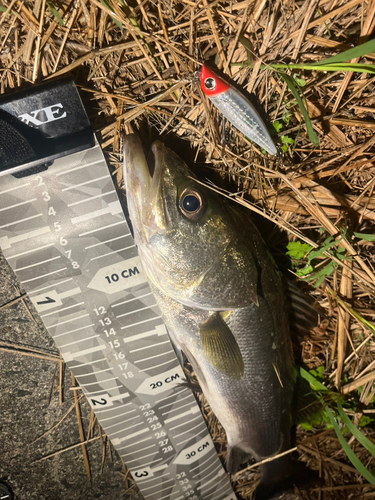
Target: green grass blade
369,325
360,437
366,237
310,131
55,13
116,21
349,452
315,384
359,51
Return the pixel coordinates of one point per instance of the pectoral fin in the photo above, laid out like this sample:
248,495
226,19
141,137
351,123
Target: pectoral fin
220,346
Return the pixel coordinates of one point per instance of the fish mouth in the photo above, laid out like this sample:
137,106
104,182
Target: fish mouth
143,180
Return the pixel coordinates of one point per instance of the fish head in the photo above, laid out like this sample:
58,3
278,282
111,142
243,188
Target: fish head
187,235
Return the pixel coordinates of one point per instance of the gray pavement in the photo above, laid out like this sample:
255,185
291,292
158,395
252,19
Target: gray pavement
29,407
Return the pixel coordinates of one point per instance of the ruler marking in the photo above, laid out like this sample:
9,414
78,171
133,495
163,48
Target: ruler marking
140,458
62,346
44,275
119,423
192,429
159,477
107,241
7,241
156,477
75,330
97,382
203,486
117,416
79,354
203,470
101,228
153,357
80,167
208,475
185,423
128,428
69,321
150,333
177,401
101,392
38,290
166,496
21,220
119,396
141,322
70,293
93,373
158,366
171,396
130,300
88,363
29,251
146,448
152,462
14,188
149,346
111,253
17,204
225,485
113,408
127,438
61,310
135,310
184,441
192,411
113,208
169,494
37,264
211,457
101,195
176,409
84,183
135,444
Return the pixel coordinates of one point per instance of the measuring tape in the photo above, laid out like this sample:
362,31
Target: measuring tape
64,233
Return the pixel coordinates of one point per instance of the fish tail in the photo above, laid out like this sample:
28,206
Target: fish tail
279,475
235,457
275,477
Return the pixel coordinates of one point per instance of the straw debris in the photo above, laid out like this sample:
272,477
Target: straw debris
134,62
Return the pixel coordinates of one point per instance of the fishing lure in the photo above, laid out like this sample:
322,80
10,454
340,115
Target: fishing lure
236,108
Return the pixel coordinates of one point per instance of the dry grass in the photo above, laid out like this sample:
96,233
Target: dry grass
134,64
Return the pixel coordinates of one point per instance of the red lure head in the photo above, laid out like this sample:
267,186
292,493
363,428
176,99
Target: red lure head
211,84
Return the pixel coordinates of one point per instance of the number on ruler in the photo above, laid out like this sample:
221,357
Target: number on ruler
143,473
100,310
126,273
100,401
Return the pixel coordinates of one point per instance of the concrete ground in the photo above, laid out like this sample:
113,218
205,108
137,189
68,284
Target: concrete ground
29,407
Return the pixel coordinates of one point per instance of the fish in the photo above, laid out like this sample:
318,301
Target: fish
236,108
222,299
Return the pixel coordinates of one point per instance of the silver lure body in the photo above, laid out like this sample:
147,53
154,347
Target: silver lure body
242,115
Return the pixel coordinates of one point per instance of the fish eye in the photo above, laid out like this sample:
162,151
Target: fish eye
210,83
191,204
